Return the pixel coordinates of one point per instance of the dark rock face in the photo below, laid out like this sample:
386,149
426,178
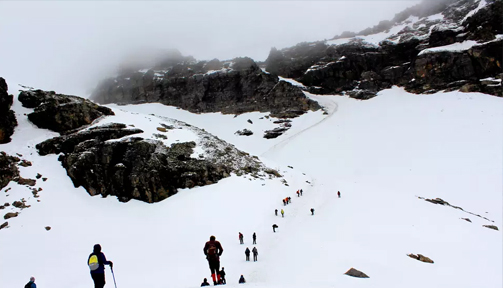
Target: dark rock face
228,87
58,112
362,69
7,117
8,169
275,133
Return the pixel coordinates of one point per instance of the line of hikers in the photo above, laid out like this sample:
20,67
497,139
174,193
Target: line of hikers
255,254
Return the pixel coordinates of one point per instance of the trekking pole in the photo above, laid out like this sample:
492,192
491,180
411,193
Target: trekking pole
113,276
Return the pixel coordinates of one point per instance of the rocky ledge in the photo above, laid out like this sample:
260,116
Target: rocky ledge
230,87
59,112
7,117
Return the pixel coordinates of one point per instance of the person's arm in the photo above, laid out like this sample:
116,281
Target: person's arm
220,248
205,248
105,261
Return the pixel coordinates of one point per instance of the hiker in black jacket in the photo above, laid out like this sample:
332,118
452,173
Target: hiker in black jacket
247,253
254,238
255,254
222,276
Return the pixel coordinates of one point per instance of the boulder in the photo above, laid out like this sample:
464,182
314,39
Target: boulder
10,215
244,132
356,273
26,181
491,227
60,113
421,258
275,133
7,117
5,224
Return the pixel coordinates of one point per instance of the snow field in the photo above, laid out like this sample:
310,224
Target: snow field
380,153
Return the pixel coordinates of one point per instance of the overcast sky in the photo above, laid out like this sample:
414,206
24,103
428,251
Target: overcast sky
68,46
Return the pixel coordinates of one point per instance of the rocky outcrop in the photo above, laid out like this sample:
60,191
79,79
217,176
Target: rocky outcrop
421,258
360,69
60,113
8,169
144,169
7,117
231,87
10,215
356,273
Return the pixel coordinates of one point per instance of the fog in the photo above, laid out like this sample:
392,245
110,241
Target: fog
68,46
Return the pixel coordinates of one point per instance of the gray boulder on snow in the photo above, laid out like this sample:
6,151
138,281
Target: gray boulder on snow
356,273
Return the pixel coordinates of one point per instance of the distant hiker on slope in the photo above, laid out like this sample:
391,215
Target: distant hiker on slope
274,226
241,237
300,192
96,263
339,194
284,202
254,238
31,284
282,213
255,254
247,253
242,280
205,283
213,250
312,211
289,200
276,210
222,276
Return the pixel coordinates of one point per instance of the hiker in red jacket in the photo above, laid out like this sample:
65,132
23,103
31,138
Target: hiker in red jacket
213,250
241,238
339,194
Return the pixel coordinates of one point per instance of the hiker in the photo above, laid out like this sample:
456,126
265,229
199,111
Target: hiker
242,279
205,283
97,262
31,284
222,276
339,194
241,238
276,210
274,226
298,193
255,254
284,202
312,211
213,250
254,238
247,253
289,200
282,213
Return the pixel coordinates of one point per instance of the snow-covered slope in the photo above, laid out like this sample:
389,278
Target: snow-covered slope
381,154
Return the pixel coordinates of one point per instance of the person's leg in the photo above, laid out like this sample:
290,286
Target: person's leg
99,280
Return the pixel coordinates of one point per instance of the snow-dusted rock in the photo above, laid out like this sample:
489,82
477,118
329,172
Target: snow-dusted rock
7,118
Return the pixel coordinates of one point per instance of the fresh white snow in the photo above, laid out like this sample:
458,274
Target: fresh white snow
380,153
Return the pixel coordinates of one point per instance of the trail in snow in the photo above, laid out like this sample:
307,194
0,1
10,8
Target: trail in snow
324,101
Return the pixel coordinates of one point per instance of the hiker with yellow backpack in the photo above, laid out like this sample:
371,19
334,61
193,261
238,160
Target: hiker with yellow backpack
96,263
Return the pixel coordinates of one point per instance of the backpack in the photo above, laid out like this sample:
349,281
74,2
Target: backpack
28,285
212,250
93,262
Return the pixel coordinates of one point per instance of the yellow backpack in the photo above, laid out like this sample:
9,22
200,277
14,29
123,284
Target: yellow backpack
93,262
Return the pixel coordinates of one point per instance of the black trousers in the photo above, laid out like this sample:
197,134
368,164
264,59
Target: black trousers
254,241
214,265
247,257
99,279
254,257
